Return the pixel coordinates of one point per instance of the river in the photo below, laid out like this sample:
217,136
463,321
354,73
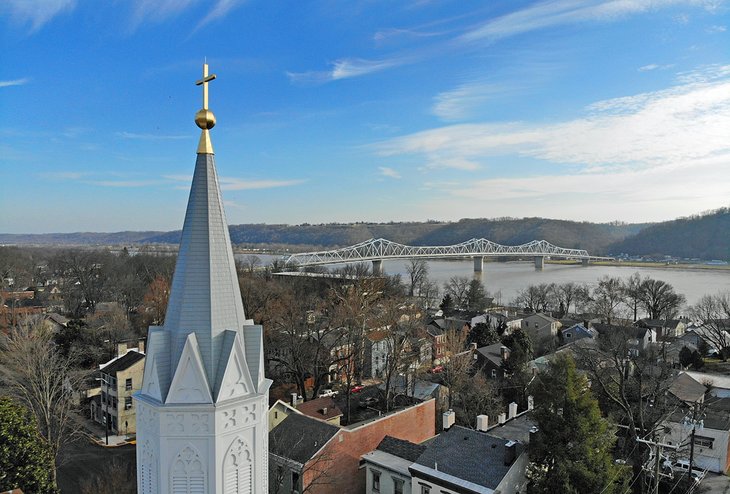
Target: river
504,279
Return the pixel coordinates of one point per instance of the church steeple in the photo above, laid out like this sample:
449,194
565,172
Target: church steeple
201,413
205,297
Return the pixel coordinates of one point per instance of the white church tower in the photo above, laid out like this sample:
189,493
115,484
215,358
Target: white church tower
202,410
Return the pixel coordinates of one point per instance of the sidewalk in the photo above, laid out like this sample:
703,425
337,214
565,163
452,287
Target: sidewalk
96,433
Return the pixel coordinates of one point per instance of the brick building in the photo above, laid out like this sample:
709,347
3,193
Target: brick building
305,450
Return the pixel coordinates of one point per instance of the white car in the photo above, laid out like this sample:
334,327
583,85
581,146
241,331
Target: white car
327,392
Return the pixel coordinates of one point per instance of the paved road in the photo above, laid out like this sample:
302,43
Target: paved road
716,484
87,459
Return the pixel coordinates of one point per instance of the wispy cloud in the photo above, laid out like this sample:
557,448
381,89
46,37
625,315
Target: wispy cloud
35,12
463,101
15,82
150,137
556,13
654,66
241,184
716,29
232,183
63,175
221,9
344,69
123,183
388,172
677,125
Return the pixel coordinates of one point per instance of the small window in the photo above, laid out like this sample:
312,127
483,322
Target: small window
704,442
494,373
376,481
294,481
276,415
425,489
114,402
128,384
103,397
127,402
398,485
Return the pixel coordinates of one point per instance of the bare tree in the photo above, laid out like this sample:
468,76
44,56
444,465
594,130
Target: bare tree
608,297
713,313
660,299
417,270
251,262
458,288
115,477
459,362
633,294
45,380
536,298
566,293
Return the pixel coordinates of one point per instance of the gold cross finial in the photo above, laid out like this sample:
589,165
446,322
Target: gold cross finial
204,82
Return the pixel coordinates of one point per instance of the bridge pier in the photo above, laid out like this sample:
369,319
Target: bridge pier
539,262
377,267
478,264
584,262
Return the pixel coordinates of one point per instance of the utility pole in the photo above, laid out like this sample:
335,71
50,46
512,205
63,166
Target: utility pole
657,458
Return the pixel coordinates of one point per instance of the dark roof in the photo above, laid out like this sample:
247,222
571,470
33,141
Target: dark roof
299,437
468,455
687,388
122,363
401,448
315,408
493,353
627,330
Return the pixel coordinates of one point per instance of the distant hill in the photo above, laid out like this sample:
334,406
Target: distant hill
704,236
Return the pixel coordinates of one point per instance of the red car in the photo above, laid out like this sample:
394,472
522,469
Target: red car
357,389
437,369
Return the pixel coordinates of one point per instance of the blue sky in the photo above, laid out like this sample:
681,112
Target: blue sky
595,110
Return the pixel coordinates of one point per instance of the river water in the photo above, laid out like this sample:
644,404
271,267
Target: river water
504,279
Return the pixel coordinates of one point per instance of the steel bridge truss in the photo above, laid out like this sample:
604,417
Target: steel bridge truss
379,248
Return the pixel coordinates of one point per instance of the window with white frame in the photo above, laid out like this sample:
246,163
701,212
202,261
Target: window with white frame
376,481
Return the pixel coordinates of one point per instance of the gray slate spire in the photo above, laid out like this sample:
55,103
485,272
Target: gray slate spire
205,296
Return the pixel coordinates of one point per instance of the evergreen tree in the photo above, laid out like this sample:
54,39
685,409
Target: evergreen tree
571,452
482,334
447,305
476,297
25,460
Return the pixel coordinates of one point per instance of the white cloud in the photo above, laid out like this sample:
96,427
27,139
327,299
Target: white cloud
63,175
150,137
241,184
36,12
654,66
677,124
555,13
344,69
464,100
160,10
15,82
221,9
123,183
716,29
388,172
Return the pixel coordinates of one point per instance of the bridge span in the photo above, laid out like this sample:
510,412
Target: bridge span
379,249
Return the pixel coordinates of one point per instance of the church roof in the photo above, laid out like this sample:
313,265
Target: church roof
205,297
299,437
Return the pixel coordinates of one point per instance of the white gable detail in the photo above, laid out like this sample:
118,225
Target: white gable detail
236,379
151,379
189,384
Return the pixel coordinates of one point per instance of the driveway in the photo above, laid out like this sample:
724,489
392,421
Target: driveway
715,484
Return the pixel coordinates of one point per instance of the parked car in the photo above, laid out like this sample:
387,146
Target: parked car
437,369
357,388
682,467
327,392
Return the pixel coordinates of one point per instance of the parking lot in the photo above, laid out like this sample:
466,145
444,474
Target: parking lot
716,484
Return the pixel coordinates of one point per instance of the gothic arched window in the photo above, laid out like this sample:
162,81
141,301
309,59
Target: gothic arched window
188,473
238,469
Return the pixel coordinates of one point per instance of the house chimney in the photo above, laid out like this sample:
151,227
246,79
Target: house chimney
504,352
324,411
473,346
530,402
448,418
140,346
294,399
121,348
482,423
512,410
502,418
510,452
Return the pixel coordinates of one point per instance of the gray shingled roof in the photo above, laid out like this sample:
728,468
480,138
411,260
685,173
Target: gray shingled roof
299,437
468,455
401,448
124,362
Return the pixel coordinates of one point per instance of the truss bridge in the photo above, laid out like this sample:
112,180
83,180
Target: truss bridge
377,250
